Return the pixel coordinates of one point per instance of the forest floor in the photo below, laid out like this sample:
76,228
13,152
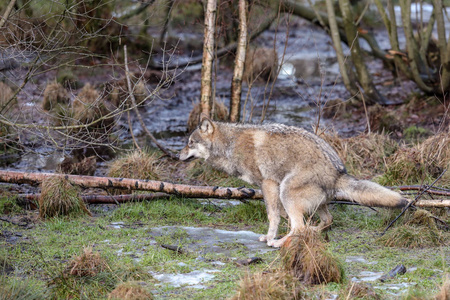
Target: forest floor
37,254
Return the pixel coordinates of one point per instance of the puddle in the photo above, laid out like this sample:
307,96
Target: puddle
205,240
116,225
192,279
359,259
367,276
396,289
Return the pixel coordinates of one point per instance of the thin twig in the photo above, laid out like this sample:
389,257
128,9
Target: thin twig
138,114
414,201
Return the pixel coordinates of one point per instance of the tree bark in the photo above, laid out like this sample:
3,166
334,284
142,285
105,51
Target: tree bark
444,47
335,36
236,84
208,57
352,36
183,190
411,46
7,12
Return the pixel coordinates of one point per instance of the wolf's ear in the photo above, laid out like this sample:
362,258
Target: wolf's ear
206,124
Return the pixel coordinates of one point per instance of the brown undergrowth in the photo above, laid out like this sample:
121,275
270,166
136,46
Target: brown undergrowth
357,290
420,163
136,164
270,285
60,198
130,291
305,260
220,114
88,263
364,155
55,94
444,293
307,257
415,229
371,154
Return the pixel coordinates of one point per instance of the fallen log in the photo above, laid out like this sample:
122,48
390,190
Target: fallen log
182,190
161,189
420,203
25,199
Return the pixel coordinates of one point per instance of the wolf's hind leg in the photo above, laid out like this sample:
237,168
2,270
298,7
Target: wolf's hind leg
326,219
271,193
297,201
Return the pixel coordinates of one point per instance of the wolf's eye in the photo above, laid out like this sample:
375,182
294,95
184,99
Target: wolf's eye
191,143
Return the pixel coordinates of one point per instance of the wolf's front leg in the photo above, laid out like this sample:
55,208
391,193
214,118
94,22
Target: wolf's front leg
271,193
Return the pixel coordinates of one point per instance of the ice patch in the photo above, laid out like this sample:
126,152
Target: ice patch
192,279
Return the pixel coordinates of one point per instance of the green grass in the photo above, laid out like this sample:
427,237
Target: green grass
42,253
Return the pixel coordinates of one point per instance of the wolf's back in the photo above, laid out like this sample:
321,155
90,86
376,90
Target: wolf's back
367,193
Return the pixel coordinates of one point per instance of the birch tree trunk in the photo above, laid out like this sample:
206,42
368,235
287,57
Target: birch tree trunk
236,84
208,56
135,184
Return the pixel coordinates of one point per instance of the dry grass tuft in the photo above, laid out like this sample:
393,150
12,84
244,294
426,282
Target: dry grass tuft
60,198
119,96
55,94
277,285
444,293
364,155
206,174
6,93
87,264
334,108
136,164
89,106
417,230
356,290
425,161
220,114
260,63
382,119
130,291
306,255
86,166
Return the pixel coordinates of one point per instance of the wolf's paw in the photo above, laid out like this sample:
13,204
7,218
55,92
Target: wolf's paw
273,243
276,243
263,238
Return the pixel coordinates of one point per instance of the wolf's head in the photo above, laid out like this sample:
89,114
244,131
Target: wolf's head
200,141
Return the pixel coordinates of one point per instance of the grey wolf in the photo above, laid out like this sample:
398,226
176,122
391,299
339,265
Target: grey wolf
298,172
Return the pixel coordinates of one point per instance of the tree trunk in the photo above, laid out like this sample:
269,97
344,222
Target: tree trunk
335,36
7,12
136,184
236,84
444,47
208,56
352,36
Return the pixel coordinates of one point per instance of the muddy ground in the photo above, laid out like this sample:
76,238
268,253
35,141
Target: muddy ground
214,235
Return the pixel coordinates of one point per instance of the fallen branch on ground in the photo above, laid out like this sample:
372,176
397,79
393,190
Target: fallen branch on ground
25,199
434,191
428,187
136,184
161,189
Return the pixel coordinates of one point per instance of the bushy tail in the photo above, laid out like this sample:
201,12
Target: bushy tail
367,193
